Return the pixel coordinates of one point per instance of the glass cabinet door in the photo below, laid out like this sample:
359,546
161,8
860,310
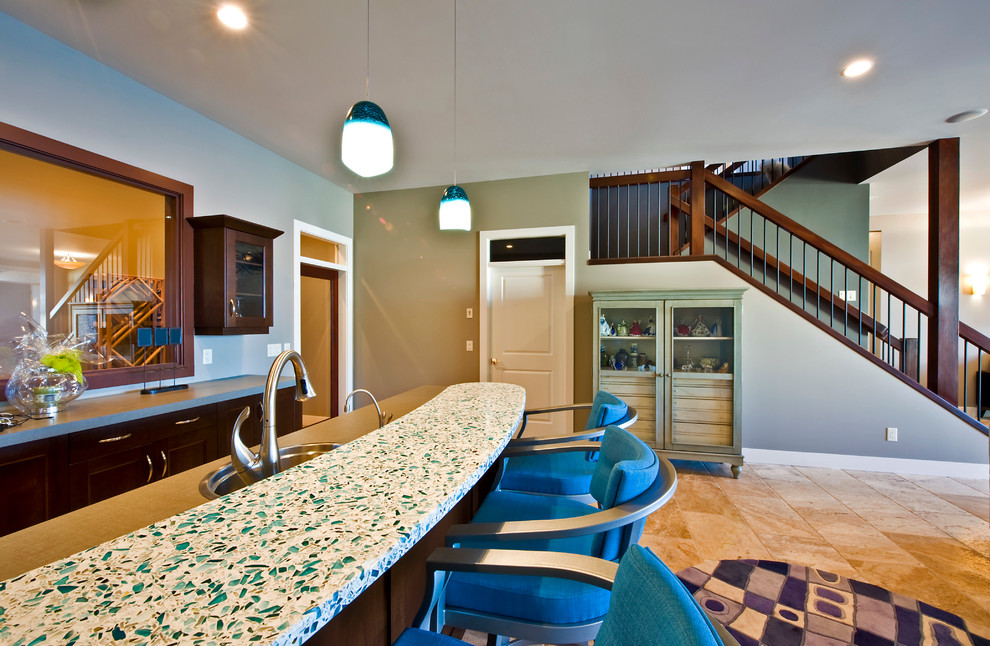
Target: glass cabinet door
629,359
249,280
702,356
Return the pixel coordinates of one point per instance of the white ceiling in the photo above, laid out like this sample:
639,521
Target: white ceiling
553,86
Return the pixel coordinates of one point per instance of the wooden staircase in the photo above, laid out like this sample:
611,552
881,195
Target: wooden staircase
650,217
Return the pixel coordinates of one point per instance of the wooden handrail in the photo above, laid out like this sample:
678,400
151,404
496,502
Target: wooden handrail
974,336
798,280
820,243
640,178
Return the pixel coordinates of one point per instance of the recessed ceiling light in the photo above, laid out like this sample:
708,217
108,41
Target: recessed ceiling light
857,68
968,115
232,16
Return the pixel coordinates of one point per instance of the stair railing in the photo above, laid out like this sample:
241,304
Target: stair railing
825,282
648,217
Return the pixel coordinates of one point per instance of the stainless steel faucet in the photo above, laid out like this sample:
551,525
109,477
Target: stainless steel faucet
251,466
383,418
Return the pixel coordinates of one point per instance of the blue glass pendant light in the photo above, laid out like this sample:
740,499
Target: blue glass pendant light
366,142
455,209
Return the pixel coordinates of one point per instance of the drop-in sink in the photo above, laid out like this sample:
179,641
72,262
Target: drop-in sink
225,480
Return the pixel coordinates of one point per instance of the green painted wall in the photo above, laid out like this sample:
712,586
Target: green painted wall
838,212
414,282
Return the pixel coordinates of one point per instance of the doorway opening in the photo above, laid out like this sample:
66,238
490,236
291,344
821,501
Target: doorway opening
323,304
318,314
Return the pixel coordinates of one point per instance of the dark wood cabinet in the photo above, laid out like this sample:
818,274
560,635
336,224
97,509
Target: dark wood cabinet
47,478
33,483
233,267
108,461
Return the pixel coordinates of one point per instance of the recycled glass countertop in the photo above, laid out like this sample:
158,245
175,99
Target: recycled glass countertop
276,561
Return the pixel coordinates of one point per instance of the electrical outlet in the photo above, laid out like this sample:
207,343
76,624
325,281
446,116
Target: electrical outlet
891,434
274,349
470,312
848,296
286,346
207,356
470,346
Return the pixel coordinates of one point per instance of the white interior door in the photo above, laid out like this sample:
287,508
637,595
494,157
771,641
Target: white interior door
528,338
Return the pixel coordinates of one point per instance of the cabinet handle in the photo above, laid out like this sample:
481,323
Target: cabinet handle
233,309
164,464
115,439
151,468
188,421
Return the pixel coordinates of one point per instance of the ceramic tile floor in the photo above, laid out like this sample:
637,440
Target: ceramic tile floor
922,536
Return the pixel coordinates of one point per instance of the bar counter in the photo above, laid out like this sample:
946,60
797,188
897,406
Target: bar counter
276,561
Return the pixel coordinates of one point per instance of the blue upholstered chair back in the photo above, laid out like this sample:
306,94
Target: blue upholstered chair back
626,468
650,605
606,409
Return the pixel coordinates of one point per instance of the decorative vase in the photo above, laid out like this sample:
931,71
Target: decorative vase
40,390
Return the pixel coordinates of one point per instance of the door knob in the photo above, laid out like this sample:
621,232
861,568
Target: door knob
494,361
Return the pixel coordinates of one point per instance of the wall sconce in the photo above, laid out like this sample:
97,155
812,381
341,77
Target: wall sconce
978,283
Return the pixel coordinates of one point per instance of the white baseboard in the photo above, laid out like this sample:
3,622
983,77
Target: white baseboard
868,463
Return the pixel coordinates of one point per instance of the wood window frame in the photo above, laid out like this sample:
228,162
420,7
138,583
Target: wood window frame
178,241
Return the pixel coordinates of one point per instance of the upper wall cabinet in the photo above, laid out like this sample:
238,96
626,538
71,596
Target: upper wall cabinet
233,265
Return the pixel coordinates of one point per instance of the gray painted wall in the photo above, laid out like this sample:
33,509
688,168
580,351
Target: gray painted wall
801,390
55,91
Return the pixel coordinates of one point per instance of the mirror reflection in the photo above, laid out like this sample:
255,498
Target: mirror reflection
83,255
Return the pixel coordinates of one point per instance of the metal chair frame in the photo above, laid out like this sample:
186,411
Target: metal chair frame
661,491
574,567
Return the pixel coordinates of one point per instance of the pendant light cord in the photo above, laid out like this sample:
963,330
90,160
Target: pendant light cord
367,61
455,92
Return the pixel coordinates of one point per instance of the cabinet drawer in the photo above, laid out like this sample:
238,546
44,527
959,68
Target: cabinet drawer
86,445
702,390
644,430
629,386
702,434
710,414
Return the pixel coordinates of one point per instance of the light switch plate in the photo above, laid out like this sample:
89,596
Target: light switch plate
207,356
286,346
274,349
470,312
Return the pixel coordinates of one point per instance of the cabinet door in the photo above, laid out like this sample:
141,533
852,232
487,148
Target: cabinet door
33,483
630,358
249,280
702,366
187,450
111,474
227,413
288,418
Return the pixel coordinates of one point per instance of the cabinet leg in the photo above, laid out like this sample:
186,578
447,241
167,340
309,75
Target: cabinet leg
736,468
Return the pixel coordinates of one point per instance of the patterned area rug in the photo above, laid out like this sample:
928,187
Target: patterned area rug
780,604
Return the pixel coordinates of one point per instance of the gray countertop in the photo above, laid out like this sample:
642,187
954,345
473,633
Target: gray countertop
277,560
69,533
93,412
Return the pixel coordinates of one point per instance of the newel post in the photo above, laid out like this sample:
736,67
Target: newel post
943,268
697,208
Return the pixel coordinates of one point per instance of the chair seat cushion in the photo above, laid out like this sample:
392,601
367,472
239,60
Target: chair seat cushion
417,637
504,506
563,474
532,598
